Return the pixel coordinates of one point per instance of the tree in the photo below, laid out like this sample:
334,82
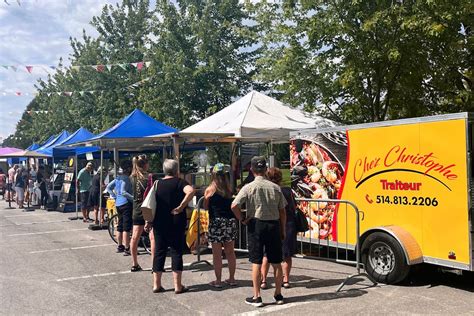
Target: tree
201,59
359,61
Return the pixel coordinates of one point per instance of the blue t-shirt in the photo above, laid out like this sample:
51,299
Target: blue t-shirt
121,190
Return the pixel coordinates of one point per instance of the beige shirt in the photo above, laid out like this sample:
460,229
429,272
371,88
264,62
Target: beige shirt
263,199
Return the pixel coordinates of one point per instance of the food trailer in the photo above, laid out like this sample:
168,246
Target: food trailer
410,178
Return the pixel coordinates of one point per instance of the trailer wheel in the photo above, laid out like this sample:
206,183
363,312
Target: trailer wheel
384,259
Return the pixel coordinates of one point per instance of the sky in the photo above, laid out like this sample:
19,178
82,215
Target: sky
36,32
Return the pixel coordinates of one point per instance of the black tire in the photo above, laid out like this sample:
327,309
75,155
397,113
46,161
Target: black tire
112,226
384,259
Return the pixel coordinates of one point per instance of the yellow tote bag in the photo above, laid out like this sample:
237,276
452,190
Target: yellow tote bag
191,235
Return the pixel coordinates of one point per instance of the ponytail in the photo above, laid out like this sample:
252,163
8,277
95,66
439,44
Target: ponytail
138,170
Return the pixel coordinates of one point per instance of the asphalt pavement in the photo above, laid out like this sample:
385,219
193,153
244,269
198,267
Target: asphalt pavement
52,265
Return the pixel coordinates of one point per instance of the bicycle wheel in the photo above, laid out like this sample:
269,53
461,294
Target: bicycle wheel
145,242
113,222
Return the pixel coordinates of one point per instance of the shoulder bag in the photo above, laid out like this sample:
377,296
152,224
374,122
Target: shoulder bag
148,206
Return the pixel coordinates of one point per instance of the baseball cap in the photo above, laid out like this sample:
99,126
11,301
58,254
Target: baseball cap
220,168
258,163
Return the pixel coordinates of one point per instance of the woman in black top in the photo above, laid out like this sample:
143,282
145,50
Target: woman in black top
95,195
172,196
289,244
40,178
139,181
222,223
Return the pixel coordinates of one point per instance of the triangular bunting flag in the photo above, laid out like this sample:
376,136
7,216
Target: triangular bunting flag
134,64
5,66
58,93
91,92
29,68
81,93
140,65
76,67
109,67
18,93
67,93
123,66
13,67
147,64
99,68
52,67
48,93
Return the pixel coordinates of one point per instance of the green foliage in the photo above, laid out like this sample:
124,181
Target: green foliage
359,61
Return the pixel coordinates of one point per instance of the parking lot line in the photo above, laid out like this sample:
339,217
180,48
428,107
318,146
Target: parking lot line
71,248
33,223
48,232
272,309
32,214
93,276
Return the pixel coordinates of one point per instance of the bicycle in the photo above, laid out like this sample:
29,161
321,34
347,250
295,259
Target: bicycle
144,239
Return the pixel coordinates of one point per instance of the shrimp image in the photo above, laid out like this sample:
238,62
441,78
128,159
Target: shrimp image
314,174
329,171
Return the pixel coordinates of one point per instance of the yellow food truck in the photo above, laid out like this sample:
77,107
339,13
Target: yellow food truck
412,180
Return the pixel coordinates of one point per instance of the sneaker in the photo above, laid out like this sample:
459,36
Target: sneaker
126,252
279,299
257,302
120,249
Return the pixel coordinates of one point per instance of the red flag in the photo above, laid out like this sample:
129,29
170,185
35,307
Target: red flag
100,68
140,65
29,68
18,93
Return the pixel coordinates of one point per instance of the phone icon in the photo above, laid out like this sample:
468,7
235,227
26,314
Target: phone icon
367,197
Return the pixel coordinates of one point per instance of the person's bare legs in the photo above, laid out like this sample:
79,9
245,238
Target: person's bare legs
120,238
217,260
278,273
137,232
126,240
286,265
157,280
102,215
178,286
231,260
96,214
264,272
256,278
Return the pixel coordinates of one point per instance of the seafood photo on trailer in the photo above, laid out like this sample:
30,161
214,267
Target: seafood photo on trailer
317,169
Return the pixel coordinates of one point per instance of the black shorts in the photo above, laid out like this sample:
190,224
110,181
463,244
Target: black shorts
264,235
94,200
85,200
124,218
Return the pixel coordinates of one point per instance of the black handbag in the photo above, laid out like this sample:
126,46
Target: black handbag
301,222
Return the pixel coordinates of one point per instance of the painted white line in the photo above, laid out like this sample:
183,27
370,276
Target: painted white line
48,232
93,276
71,248
273,309
33,223
32,214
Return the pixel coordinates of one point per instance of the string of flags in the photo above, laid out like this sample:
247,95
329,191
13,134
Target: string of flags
99,68
68,93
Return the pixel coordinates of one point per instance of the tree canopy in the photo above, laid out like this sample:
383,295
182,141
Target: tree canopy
350,61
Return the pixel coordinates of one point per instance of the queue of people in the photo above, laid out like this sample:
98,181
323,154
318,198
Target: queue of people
269,217
26,186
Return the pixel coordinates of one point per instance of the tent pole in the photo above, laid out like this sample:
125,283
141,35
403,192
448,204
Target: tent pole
116,161
101,177
176,151
76,188
27,185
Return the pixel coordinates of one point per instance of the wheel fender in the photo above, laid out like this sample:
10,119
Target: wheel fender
410,246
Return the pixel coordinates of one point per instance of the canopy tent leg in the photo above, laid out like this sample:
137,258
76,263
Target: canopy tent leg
176,151
28,208
116,161
76,196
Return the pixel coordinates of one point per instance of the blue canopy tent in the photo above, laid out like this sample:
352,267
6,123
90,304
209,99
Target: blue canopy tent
47,148
33,146
132,133
62,152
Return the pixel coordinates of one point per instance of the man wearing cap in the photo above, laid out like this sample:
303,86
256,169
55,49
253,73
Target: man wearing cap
84,183
266,219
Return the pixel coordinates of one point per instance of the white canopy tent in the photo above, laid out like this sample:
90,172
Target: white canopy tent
255,117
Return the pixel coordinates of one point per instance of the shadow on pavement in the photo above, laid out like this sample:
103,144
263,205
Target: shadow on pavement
428,275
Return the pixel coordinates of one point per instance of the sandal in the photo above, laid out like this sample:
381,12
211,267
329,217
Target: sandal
286,285
215,284
136,268
230,283
183,290
263,285
159,290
